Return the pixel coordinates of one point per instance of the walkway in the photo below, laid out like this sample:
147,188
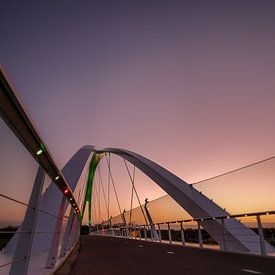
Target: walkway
107,255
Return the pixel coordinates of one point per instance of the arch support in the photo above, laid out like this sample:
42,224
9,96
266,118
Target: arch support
230,234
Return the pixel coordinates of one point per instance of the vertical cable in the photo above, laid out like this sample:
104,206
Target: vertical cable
108,188
101,182
113,183
135,191
132,195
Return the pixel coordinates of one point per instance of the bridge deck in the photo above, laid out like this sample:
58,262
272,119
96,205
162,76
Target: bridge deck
107,255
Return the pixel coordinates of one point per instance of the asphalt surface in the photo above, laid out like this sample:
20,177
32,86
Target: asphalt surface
107,255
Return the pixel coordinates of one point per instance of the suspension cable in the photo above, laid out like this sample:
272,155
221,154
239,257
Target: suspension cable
28,205
135,191
113,183
132,195
232,171
108,188
101,182
94,207
98,201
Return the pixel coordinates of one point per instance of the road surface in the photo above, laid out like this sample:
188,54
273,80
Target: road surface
111,255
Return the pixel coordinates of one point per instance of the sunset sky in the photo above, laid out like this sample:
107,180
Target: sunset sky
189,84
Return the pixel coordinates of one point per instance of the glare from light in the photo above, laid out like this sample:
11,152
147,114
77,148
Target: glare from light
39,152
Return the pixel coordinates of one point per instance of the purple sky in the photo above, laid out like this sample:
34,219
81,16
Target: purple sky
189,84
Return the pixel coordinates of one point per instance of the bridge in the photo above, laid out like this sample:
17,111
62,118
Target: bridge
194,234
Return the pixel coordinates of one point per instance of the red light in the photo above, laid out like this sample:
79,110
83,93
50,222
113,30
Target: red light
66,191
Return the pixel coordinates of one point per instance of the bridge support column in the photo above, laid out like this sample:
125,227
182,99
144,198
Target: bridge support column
200,235
24,243
182,233
261,235
145,233
169,233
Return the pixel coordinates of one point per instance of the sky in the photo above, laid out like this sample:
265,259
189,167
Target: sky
189,84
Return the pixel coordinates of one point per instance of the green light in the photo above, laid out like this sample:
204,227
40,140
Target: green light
39,152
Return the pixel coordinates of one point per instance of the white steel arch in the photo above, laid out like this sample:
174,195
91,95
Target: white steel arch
230,234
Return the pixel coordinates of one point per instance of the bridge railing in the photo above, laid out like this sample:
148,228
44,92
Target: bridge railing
39,217
190,232
247,188
34,238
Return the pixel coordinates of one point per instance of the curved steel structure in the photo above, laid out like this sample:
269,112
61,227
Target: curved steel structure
46,214
230,234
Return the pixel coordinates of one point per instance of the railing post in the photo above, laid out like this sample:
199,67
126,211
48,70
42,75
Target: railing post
130,228
261,235
139,233
224,235
56,235
200,235
135,228
151,234
24,243
159,232
169,233
145,233
119,231
182,233
73,232
67,232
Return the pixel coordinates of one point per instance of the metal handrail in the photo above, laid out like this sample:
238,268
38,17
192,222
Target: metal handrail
13,113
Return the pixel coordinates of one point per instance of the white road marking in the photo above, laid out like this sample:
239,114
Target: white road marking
252,271
125,242
140,245
170,252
